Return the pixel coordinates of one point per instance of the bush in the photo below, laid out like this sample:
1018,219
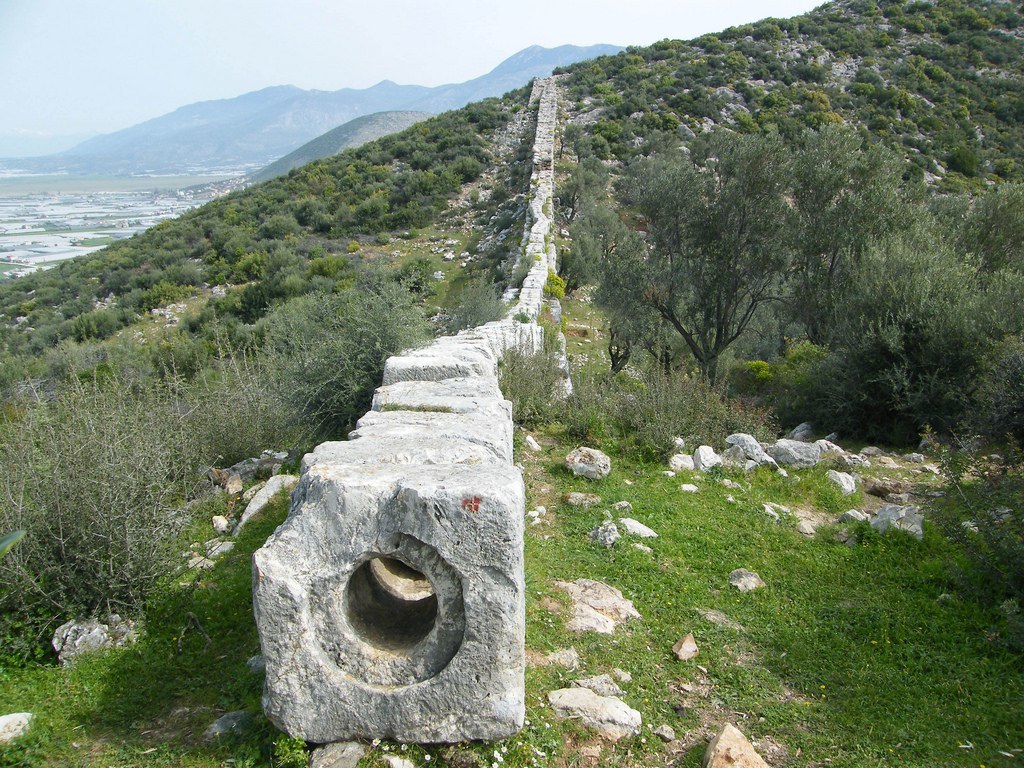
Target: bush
1000,411
555,286
533,383
478,303
97,479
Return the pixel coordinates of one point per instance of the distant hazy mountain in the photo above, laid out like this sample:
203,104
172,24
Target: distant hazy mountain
351,134
254,129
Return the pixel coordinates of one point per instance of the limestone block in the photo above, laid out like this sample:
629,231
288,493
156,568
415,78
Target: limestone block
390,604
397,450
483,429
476,395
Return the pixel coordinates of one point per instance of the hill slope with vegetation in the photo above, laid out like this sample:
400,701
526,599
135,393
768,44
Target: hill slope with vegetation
809,219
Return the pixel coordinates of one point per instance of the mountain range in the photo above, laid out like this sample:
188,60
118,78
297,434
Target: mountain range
249,131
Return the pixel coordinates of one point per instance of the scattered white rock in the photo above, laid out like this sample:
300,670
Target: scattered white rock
888,461
853,516
14,726
231,724
827,446
871,450
565,657
341,754
201,563
795,454
744,580
395,761
688,488
589,463
679,444
216,548
805,528
686,648
597,607
665,732
642,548
622,675
669,473
607,715
622,506
846,482
750,447
221,524
775,511
602,685
704,458
802,432
252,491
605,534
636,528
681,462
274,486
532,444
908,519
914,458
732,484
577,499
77,638
730,749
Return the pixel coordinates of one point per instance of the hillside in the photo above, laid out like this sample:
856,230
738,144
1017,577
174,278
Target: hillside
257,128
354,133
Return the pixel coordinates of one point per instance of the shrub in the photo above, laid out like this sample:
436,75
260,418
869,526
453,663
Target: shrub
555,286
532,382
1000,411
97,479
478,303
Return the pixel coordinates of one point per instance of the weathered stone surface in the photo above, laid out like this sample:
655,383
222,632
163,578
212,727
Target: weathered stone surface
805,528
602,685
802,432
607,715
704,458
396,761
882,487
233,485
795,454
744,580
907,519
398,592
231,724
605,534
681,462
14,726
577,499
665,732
597,607
688,488
343,754
845,481
589,463
686,648
531,444
220,524
730,749
636,528
274,486
466,395
622,506
566,657
485,429
751,448
77,638
853,516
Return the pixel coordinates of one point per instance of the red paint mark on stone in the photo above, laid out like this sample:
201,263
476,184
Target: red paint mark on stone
471,505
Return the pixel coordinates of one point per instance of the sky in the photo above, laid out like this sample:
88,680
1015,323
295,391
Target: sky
75,68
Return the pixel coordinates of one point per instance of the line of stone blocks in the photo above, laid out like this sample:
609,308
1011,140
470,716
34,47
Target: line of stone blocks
391,602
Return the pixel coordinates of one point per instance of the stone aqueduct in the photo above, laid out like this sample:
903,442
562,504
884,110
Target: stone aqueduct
391,601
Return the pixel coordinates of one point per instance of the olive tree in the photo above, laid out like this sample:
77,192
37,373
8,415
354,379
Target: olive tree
716,248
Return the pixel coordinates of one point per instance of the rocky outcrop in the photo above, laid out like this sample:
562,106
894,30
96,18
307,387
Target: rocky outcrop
391,602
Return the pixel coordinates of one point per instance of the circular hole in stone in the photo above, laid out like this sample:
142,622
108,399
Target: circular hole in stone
390,604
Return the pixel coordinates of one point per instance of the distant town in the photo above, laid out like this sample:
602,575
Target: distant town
41,229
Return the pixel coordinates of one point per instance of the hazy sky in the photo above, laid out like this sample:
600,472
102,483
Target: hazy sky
76,67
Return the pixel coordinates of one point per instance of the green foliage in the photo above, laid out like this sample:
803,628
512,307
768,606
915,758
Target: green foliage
8,541
717,235
533,384
554,286
477,302
1000,401
327,351
290,753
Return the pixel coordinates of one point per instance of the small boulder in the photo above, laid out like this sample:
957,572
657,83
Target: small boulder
341,754
596,606
853,516
233,485
636,528
688,488
802,432
602,685
681,462
605,534
751,448
730,749
744,580
607,715
686,648
908,519
622,506
274,486
565,657
577,499
883,487
589,463
231,724
845,481
221,524
14,726
914,458
871,451
665,732
77,638
397,761
795,454
704,458
532,444
827,446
